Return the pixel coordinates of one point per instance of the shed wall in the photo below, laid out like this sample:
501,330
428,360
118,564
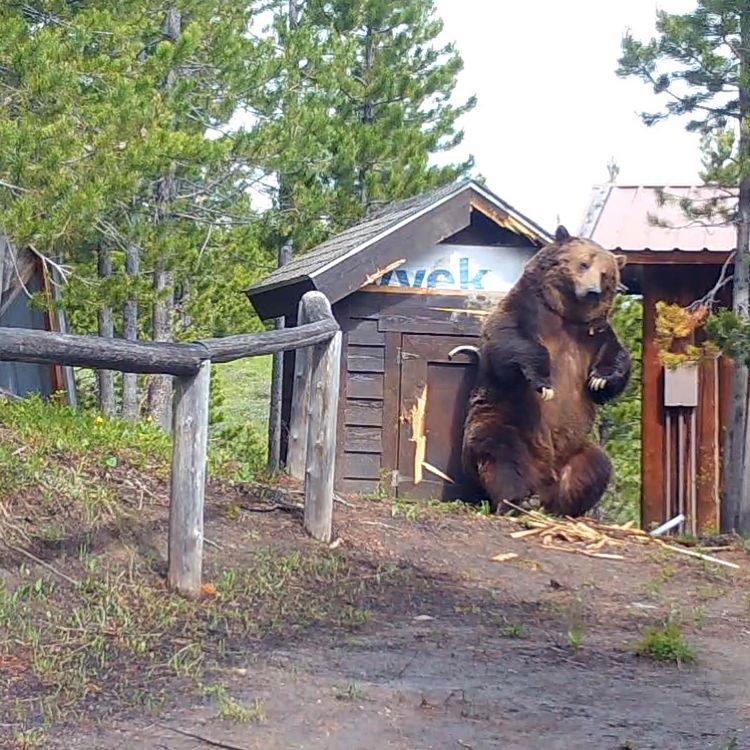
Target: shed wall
681,447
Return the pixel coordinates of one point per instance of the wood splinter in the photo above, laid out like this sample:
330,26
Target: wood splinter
418,437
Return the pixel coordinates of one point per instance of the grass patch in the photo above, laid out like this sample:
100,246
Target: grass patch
65,474
246,386
516,630
86,496
63,471
234,711
349,693
665,644
120,637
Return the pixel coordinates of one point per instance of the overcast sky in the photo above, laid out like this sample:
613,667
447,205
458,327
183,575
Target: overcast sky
551,111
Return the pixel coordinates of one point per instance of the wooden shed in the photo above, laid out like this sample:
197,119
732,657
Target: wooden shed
407,285
22,274
683,438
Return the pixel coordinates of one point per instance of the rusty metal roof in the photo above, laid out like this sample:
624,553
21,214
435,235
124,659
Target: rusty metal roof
619,217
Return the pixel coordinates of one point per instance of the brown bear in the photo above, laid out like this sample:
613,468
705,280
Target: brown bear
547,357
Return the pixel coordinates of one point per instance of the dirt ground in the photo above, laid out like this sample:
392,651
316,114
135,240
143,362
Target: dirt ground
458,651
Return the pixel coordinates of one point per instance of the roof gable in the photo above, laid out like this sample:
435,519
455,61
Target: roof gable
362,253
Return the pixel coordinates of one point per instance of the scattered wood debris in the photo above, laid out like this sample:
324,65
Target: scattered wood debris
504,557
584,536
437,472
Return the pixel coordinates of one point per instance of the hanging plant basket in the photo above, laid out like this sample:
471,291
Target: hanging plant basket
675,324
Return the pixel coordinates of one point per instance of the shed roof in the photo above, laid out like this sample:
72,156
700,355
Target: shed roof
349,260
619,218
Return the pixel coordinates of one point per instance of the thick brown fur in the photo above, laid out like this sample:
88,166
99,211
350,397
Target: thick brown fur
547,357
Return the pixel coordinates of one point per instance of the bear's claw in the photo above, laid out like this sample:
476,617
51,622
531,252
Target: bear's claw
547,394
596,383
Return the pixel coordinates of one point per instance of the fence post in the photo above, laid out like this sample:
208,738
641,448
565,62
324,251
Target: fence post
277,385
322,406
190,434
296,452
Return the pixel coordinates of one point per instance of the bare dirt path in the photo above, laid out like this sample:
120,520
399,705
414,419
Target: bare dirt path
531,654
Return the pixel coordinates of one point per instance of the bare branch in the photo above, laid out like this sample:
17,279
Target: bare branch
709,299
13,188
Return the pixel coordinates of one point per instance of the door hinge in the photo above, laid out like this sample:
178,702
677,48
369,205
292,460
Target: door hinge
403,356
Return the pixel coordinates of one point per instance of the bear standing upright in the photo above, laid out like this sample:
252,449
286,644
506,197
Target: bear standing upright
547,357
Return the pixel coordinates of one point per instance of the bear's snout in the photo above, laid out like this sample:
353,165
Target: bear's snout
588,290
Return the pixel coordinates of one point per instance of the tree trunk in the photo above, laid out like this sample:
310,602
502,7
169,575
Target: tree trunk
106,330
277,382
368,116
735,511
3,254
130,409
160,386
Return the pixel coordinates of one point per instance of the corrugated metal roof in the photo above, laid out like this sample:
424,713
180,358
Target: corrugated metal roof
380,223
618,218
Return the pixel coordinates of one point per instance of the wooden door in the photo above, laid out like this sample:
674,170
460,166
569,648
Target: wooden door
434,396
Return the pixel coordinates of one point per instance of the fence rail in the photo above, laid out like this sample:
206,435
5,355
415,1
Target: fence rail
148,358
318,336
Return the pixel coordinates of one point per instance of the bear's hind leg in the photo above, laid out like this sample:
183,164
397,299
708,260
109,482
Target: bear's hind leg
582,482
503,465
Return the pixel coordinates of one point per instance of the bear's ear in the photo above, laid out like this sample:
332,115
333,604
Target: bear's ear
561,234
621,261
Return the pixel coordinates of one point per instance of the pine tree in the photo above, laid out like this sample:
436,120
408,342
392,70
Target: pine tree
101,114
363,101
700,61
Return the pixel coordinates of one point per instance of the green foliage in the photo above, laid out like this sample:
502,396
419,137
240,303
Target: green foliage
48,429
619,422
237,442
665,644
368,86
35,436
693,61
118,130
731,334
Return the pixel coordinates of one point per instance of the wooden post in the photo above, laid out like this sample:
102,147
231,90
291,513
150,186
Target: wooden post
190,428
296,452
324,379
277,378
653,479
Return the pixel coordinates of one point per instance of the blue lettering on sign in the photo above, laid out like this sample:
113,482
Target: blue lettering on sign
403,278
439,277
476,282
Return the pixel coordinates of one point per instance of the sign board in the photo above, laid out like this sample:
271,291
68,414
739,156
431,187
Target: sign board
458,268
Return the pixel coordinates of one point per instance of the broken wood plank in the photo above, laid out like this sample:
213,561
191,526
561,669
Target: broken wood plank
690,553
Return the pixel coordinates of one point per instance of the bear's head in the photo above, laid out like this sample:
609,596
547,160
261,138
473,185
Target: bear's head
577,278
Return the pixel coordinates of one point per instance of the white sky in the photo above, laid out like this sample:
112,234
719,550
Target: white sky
551,111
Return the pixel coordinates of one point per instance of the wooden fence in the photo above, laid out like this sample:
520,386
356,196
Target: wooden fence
318,335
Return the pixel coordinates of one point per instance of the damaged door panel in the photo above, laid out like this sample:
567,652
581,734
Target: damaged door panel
434,397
